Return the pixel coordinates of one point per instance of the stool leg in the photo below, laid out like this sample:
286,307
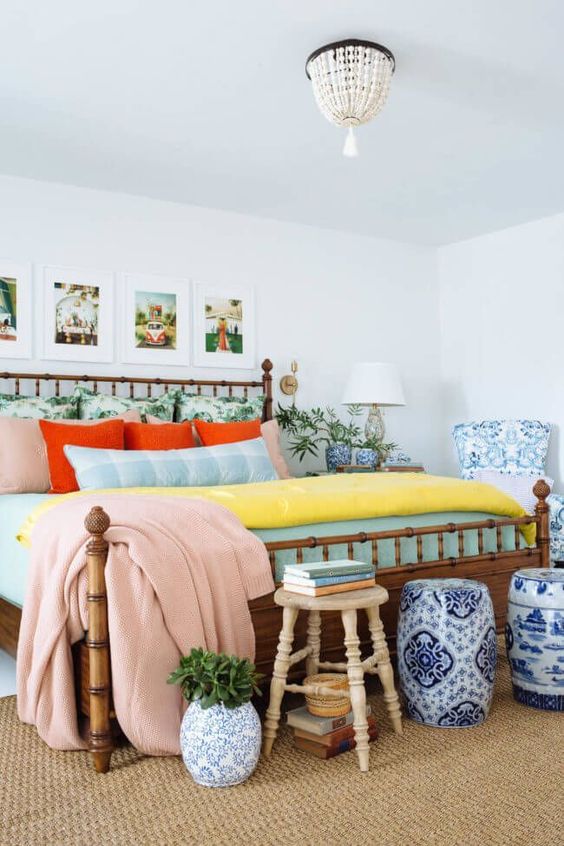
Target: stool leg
313,641
384,667
279,676
355,673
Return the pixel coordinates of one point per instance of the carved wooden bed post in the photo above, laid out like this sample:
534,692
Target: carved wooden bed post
541,490
100,738
267,382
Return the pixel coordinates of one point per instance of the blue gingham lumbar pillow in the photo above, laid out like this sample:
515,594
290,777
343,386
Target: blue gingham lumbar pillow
225,464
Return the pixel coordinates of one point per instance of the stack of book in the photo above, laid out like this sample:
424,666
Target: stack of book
326,737
328,577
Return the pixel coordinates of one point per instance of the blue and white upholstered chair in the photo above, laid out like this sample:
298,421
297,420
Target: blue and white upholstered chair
510,448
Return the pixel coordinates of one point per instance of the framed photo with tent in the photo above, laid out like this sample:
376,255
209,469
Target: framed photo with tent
224,326
78,312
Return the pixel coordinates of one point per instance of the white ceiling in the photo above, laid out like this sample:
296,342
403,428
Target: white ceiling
207,103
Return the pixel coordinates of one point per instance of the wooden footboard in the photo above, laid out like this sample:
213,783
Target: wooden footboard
493,568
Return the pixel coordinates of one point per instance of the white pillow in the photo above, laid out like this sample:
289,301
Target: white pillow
517,486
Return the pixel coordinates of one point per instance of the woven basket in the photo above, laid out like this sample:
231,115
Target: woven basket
324,706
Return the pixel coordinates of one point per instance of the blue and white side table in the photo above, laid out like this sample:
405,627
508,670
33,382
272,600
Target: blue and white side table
447,651
534,637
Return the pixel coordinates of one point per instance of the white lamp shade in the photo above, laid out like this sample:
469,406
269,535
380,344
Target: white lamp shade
373,382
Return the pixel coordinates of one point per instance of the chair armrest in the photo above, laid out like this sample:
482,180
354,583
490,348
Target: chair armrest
556,513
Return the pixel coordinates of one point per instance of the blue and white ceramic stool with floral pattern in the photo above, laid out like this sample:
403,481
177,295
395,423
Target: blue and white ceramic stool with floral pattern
447,651
534,637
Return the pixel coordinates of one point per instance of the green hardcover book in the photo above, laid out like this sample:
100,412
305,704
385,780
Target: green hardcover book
339,567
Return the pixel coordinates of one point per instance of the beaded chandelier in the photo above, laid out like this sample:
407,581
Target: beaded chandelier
350,82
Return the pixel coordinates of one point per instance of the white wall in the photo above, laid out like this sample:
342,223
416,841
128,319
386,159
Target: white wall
326,298
502,312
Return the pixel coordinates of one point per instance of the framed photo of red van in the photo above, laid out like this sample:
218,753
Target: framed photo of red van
156,312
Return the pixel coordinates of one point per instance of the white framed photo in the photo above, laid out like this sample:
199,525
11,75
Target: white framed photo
156,315
224,326
15,309
78,313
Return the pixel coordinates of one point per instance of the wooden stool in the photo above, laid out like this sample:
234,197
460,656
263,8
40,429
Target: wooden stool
348,604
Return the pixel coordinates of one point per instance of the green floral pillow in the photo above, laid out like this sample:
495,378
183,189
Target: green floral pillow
39,408
217,409
93,406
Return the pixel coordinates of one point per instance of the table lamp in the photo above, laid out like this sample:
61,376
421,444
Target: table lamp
376,385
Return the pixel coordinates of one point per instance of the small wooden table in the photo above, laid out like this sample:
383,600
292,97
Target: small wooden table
348,603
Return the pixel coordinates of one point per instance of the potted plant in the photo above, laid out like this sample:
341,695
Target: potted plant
309,429
373,452
220,736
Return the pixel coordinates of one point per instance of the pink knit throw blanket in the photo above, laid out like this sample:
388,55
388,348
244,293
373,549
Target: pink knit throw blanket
179,575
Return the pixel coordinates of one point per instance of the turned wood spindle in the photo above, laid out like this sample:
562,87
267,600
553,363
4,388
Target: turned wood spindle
100,738
541,490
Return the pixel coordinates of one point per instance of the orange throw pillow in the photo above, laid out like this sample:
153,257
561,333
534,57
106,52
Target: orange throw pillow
107,435
158,436
212,434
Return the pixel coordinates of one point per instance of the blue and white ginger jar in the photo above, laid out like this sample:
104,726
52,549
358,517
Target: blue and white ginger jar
220,746
337,454
447,651
367,457
534,637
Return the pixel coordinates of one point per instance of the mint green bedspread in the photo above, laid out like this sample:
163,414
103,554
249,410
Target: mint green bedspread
14,558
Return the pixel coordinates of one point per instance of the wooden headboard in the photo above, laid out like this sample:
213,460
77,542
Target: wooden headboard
44,383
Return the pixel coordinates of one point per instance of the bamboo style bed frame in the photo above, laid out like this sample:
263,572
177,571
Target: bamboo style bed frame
92,660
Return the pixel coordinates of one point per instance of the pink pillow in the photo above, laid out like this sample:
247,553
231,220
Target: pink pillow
24,467
270,431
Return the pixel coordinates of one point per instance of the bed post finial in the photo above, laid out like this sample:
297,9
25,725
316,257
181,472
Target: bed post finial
541,490
267,366
100,738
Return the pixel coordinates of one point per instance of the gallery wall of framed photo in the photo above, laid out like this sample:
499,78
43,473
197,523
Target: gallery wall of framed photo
91,315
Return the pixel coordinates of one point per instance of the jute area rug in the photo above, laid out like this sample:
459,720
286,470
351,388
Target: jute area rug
501,783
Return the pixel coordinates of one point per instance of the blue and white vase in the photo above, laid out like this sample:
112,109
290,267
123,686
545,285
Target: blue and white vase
220,746
337,454
447,651
367,457
534,637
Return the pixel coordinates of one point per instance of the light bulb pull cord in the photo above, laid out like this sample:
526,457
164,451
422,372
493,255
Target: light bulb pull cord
350,149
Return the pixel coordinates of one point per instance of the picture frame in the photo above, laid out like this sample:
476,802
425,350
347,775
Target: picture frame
224,326
156,320
16,318
78,314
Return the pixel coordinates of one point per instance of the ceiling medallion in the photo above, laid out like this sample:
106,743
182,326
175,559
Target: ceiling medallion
350,82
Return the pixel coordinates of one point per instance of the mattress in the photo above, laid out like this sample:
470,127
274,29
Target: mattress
14,558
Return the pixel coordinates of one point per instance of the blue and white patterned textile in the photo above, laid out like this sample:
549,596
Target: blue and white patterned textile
509,446
447,651
534,637
220,746
556,512
225,464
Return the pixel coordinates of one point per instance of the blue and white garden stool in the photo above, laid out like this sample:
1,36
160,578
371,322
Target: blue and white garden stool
447,651
534,637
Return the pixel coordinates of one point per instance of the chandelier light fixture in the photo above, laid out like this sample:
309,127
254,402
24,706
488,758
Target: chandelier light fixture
350,82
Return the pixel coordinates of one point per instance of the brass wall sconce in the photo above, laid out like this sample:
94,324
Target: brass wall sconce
289,383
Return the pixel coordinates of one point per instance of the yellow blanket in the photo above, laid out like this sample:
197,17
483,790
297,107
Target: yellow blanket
325,499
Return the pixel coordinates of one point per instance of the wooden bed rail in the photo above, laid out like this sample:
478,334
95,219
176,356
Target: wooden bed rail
41,379
97,522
